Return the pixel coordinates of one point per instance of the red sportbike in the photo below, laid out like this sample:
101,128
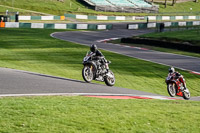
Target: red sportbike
175,88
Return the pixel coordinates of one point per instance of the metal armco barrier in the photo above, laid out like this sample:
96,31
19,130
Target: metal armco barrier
136,26
58,26
118,18
121,18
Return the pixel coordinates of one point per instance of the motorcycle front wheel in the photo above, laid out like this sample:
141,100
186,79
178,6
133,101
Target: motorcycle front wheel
110,78
171,89
186,94
87,73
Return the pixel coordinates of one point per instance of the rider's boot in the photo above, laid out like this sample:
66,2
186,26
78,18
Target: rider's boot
185,88
184,85
99,78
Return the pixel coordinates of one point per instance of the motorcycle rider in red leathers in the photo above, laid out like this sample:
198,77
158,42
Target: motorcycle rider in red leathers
177,75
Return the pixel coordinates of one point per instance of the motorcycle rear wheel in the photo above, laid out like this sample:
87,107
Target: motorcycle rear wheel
87,74
110,81
171,89
186,94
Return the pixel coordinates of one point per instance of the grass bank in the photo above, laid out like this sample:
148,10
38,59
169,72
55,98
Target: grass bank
55,7
21,11
34,50
191,36
83,114
179,8
75,7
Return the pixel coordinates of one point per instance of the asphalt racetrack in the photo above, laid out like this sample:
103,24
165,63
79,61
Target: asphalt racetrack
22,83
88,37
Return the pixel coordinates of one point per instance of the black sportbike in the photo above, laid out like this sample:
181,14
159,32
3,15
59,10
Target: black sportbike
96,70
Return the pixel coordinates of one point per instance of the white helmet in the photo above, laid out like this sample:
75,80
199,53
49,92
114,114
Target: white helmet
171,70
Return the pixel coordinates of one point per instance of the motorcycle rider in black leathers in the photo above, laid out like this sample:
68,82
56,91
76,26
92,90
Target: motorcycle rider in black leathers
98,56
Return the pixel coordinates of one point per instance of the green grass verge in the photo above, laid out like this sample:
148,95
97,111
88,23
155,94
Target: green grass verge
174,51
21,11
34,50
180,7
93,115
75,7
3,9
55,7
180,36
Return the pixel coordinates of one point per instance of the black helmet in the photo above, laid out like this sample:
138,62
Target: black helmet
171,70
93,48
178,74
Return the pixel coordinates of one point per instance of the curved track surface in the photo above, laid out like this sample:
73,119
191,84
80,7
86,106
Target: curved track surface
88,37
22,83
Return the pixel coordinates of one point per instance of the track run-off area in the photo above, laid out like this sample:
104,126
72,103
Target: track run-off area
100,38
22,83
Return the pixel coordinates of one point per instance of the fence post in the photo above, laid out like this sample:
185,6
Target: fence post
17,17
